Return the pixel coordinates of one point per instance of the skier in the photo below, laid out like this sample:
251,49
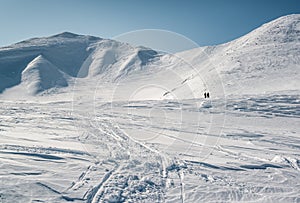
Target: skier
207,94
204,94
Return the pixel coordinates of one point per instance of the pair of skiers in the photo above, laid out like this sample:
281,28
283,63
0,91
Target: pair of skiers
206,94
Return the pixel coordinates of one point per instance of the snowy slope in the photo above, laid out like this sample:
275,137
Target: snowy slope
66,51
265,60
151,151
74,55
41,75
85,119
112,60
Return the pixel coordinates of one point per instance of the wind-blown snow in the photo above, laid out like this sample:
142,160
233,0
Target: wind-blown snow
85,119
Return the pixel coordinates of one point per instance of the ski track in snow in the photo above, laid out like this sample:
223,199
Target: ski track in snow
110,122
121,138
109,163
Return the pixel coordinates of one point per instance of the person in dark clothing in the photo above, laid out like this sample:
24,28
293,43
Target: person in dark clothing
204,94
207,94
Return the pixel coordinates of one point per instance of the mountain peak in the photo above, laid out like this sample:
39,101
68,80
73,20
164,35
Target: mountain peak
288,17
285,29
70,35
66,35
264,56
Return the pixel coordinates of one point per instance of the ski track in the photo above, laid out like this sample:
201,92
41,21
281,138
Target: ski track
74,108
97,192
126,145
126,169
182,192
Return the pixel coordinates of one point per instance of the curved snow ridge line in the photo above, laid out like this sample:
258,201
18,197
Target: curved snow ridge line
260,166
48,187
42,149
42,156
211,166
40,75
235,154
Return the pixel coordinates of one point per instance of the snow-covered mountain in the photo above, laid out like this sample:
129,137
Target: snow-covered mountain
40,75
71,56
85,119
265,60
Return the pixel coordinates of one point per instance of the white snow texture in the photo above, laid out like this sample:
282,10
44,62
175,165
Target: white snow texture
86,119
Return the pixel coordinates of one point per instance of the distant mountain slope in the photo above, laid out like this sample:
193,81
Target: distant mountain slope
66,51
75,55
111,60
265,60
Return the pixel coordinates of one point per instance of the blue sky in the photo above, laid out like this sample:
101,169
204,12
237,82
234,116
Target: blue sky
207,22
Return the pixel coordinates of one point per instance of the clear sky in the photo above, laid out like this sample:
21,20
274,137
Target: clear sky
207,22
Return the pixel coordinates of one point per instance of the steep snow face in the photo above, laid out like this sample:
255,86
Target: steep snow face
265,60
75,55
285,29
112,60
66,51
41,75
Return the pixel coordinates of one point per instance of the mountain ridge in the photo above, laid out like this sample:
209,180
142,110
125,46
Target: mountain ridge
257,57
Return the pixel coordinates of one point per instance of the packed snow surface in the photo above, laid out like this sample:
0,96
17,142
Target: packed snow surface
86,119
